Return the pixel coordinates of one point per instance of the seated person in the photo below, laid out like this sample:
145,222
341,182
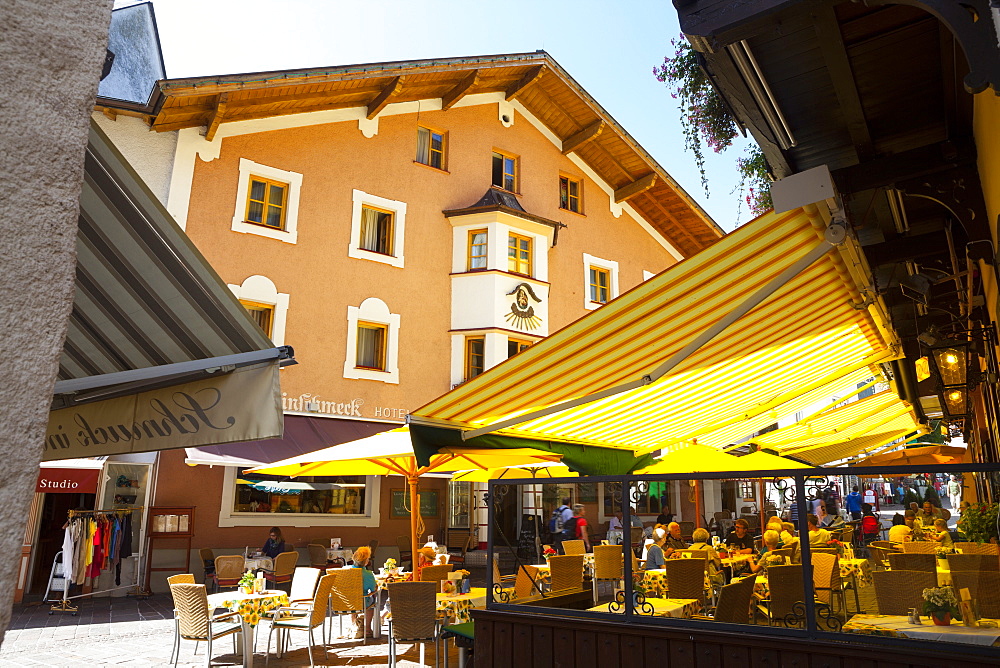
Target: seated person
275,543
903,532
941,533
929,513
700,538
615,523
788,537
817,537
739,540
654,555
362,557
674,539
870,525
770,540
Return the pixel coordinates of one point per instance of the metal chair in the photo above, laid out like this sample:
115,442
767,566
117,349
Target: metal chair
608,565
912,561
573,547
414,610
898,591
296,621
566,572
194,622
228,570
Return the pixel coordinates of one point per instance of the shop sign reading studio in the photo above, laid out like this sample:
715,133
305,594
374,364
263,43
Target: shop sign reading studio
239,406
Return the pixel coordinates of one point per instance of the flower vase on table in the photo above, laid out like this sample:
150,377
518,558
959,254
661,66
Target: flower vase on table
549,552
940,605
247,581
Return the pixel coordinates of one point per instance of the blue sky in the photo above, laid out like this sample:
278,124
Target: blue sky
610,48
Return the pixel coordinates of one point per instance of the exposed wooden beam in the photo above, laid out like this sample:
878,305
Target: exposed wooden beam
459,90
530,77
676,222
636,187
831,44
382,99
328,94
216,119
577,140
907,165
110,113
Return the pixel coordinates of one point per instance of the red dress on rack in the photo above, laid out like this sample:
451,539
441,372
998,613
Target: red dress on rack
94,570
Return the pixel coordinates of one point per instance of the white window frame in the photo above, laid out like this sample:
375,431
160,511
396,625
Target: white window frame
398,209
262,290
612,267
230,518
373,310
250,168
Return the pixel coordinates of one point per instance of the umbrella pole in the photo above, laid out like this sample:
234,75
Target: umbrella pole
699,508
414,508
760,504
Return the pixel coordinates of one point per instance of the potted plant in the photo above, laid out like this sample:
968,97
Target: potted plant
390,566
979,522
246,582
941,605
836,544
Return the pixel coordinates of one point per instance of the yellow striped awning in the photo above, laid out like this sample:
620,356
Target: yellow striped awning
844,431
815,329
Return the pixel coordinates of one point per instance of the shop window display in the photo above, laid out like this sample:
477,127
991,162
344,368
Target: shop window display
346,496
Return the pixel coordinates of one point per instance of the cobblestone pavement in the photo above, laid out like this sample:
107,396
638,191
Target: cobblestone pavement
131,632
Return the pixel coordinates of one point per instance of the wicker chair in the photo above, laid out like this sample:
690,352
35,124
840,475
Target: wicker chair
228,570
608,565
414,607
458,558
284,566
686,578
435,573
734,602
347,595
303,585
183,578
296,621
973,562
208,559
920,547
687,528
317,556
884,544
978,548
911,561
193,621
879,557
635,537
898,591
504,580
983,586
638,567
573,547
823,550
405,550
786,552
526,581
827,582
786,585
566,572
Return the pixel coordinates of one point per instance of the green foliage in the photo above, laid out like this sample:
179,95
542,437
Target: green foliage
707,121
979,522
911,497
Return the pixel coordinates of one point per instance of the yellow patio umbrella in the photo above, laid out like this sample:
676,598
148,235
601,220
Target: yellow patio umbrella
925,456
549,470
763,461
693,458
391,453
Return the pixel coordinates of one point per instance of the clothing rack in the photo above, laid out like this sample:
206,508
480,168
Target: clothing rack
64,605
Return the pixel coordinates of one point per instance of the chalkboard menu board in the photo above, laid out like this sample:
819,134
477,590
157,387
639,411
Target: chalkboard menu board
401,501
526,540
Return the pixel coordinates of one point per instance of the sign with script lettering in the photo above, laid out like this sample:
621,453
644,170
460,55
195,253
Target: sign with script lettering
244,405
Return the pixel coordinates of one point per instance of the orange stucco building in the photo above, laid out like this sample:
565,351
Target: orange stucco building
403,226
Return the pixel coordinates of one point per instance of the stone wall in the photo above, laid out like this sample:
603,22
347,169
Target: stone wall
51,56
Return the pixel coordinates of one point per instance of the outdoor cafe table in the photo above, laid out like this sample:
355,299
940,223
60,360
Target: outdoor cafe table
454,608
898,626
251,608
382,579
678,608
654,581
258,563
344,555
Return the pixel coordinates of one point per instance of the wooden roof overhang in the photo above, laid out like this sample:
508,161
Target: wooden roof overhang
533,79
879,92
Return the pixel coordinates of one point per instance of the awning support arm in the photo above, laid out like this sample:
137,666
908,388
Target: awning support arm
162,371
834,236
